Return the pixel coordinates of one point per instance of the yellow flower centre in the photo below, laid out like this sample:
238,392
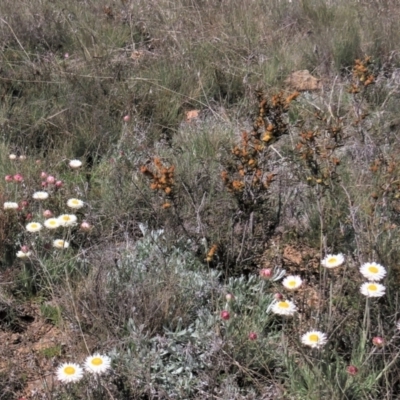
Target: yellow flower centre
313,338
372,287
34,226
292,283
69,370
97,361
283,304
66,218
52,222
373,270
332,260
75,202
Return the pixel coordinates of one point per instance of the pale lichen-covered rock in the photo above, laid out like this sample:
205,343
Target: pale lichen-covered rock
303,81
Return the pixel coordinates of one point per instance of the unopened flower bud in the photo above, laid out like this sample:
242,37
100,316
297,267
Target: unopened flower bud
50,179
47,214
378,341
18,178
278,296
229,297
59,184
43,175
24,203
253,336
352,370
85,226
9,178
266,273
225,315
24,249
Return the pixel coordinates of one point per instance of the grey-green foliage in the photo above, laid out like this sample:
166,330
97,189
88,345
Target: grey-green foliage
185,359
172,363
158,284
152,258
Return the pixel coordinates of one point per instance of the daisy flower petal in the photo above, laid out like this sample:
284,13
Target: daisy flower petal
22,254
52,223
373,271
97,364
284,307
10,205
40,195
60,244
69,372
372,289
34,227
67,220
315,339
75,203
75,164
292,282
333,261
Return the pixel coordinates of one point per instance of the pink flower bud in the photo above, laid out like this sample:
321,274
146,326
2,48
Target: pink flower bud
352,370
378,341
24,249
9,178
266,273
225,315
22,157
59,184
127,118
28,216
50,179
253,336
18,178
44,184
38,162
47,214
24,203
278,296
85,226
66,55
43,175
229,297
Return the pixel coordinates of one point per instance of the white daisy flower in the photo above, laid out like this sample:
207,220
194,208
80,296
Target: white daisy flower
332,261
75,203
52,223
97,364
34,227
292,282
69,372
315,339
10,205
40,195
12,157
75,164
22,254
67,220
60,244
372,289
284,307
373,271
